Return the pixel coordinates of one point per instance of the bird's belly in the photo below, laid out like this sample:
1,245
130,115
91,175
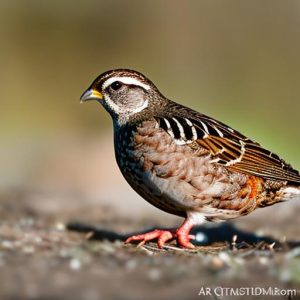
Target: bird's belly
163,193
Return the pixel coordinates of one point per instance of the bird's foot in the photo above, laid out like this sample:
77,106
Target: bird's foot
163,236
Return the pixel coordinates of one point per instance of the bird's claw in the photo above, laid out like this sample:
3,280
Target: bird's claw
162,237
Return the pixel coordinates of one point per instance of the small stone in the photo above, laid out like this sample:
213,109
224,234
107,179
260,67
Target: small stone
131,264
28,249
264,260
285,275
75,264
217,263
224,257
60,226
154,274
107,247
292,253
7,244
27,222
38,239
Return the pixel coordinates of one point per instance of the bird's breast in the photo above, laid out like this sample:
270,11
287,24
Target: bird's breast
178,178
167,175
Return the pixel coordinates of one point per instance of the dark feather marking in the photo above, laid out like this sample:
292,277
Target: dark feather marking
212,130
174,128
188,132
162,123
200,132
248,156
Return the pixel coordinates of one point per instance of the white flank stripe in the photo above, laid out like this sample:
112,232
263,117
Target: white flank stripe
169,128
125,80
205,130
205,127
181,130
189,122
195,137
218,131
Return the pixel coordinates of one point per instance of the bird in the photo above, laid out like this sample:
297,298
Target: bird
184,162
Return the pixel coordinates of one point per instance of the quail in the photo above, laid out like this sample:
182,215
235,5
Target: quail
184,162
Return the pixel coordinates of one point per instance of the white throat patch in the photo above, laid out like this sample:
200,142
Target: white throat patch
125,80
115,108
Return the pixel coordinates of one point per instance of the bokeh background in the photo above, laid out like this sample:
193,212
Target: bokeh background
237,61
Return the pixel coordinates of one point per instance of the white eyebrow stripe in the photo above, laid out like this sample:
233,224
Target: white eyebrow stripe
125,80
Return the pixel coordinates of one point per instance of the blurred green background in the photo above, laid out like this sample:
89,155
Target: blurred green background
237,61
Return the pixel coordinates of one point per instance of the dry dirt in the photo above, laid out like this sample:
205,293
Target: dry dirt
41,259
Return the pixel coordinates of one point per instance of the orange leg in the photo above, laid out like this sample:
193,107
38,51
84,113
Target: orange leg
183,234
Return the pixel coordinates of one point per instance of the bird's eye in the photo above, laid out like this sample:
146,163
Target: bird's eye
116,85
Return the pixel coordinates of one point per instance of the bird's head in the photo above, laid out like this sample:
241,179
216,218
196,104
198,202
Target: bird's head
123,93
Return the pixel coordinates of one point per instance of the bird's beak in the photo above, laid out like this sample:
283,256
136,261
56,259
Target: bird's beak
91,94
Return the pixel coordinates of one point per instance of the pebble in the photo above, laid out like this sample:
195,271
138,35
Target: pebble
7,244
285,275
264,260
217,263
75,264
60,226
224,257
293,253
131,264
154,274
28,249
38,239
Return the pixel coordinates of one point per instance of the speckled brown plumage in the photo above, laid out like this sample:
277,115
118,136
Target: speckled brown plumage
151,162
184,162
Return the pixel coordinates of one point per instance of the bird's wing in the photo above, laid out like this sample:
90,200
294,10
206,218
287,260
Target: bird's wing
226,146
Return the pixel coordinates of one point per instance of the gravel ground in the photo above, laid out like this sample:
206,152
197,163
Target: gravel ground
40,258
